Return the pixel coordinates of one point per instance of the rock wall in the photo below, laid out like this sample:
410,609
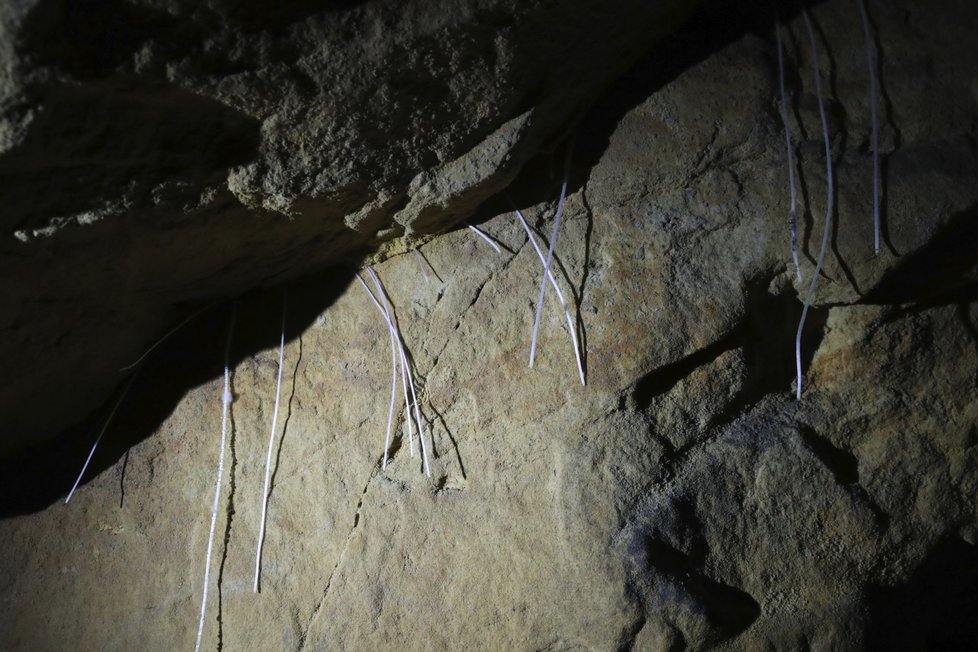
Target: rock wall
682,499
162,153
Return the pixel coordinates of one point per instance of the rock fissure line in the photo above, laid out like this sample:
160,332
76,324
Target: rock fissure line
329,581
478,293
227,532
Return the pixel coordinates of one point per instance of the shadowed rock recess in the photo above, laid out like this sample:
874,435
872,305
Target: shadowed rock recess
166,164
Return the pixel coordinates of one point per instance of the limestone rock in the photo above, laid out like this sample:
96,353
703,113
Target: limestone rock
682,499
157,154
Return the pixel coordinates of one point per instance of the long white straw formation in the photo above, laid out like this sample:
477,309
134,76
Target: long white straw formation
226,399
271,447
560,295
550,255
405,367
486,238
105,427
793,213
407,403
421,265
871,63
828,203
183,322
395,350
390,410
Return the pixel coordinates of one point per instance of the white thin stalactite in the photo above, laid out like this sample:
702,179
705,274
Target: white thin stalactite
105,427
828,203
390,411
399,355
560,295
424,272
226,399
871,64
550,256
405,369
793,212
486,238
388,315
271,447
166,335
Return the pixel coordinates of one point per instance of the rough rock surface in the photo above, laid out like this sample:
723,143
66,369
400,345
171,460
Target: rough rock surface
157,153
683,499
